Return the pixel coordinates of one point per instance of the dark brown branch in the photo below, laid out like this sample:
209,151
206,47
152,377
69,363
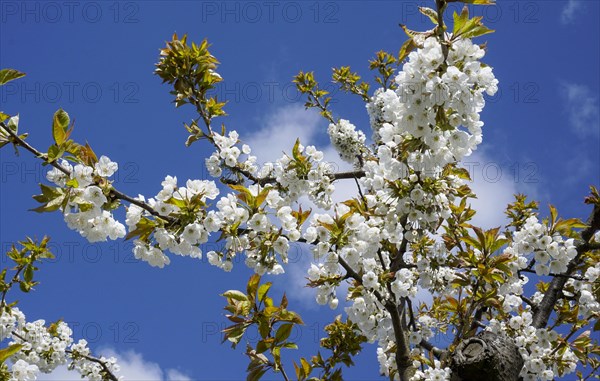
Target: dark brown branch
15,279
110,375
403,361
347,175
529,302
17,140
568,276
546,306
437,352
270,180
115,193
398,260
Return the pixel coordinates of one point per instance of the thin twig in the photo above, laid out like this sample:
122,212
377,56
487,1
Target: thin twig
115,193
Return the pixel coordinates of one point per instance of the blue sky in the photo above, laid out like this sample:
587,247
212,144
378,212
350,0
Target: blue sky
95,60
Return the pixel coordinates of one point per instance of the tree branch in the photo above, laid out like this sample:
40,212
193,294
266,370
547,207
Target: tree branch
403,362
546,306
115,193
437,352
105,368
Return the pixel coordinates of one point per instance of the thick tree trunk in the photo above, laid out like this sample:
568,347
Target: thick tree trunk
488,357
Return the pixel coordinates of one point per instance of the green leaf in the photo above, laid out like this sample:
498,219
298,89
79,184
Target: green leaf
54,203
468,28
7,75
252,285
54,153
264,328
565,227
296,149
290,316
412,33
553,214
261,346
234,334
191,139
235,295
255,374
13,123
305,366
299,372
28,274
408,46
262,291
283,332
430,13
460,20
86,154
73,183
471,241
143,229
5,353
24,286
60,126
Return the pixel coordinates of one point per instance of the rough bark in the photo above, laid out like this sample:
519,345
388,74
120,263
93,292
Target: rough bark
487,356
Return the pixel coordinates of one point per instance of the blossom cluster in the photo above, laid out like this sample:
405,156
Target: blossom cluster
537,347
87,204
384,238
185,202
44,348
433,101
347,140
429,122
92,370
267,230
304,173
552,253
256,221
435,373
229,155
533,244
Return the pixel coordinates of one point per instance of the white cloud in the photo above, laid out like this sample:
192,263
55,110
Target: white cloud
495,186
582,108
175,375
569,11
280,131
133,368
296,272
